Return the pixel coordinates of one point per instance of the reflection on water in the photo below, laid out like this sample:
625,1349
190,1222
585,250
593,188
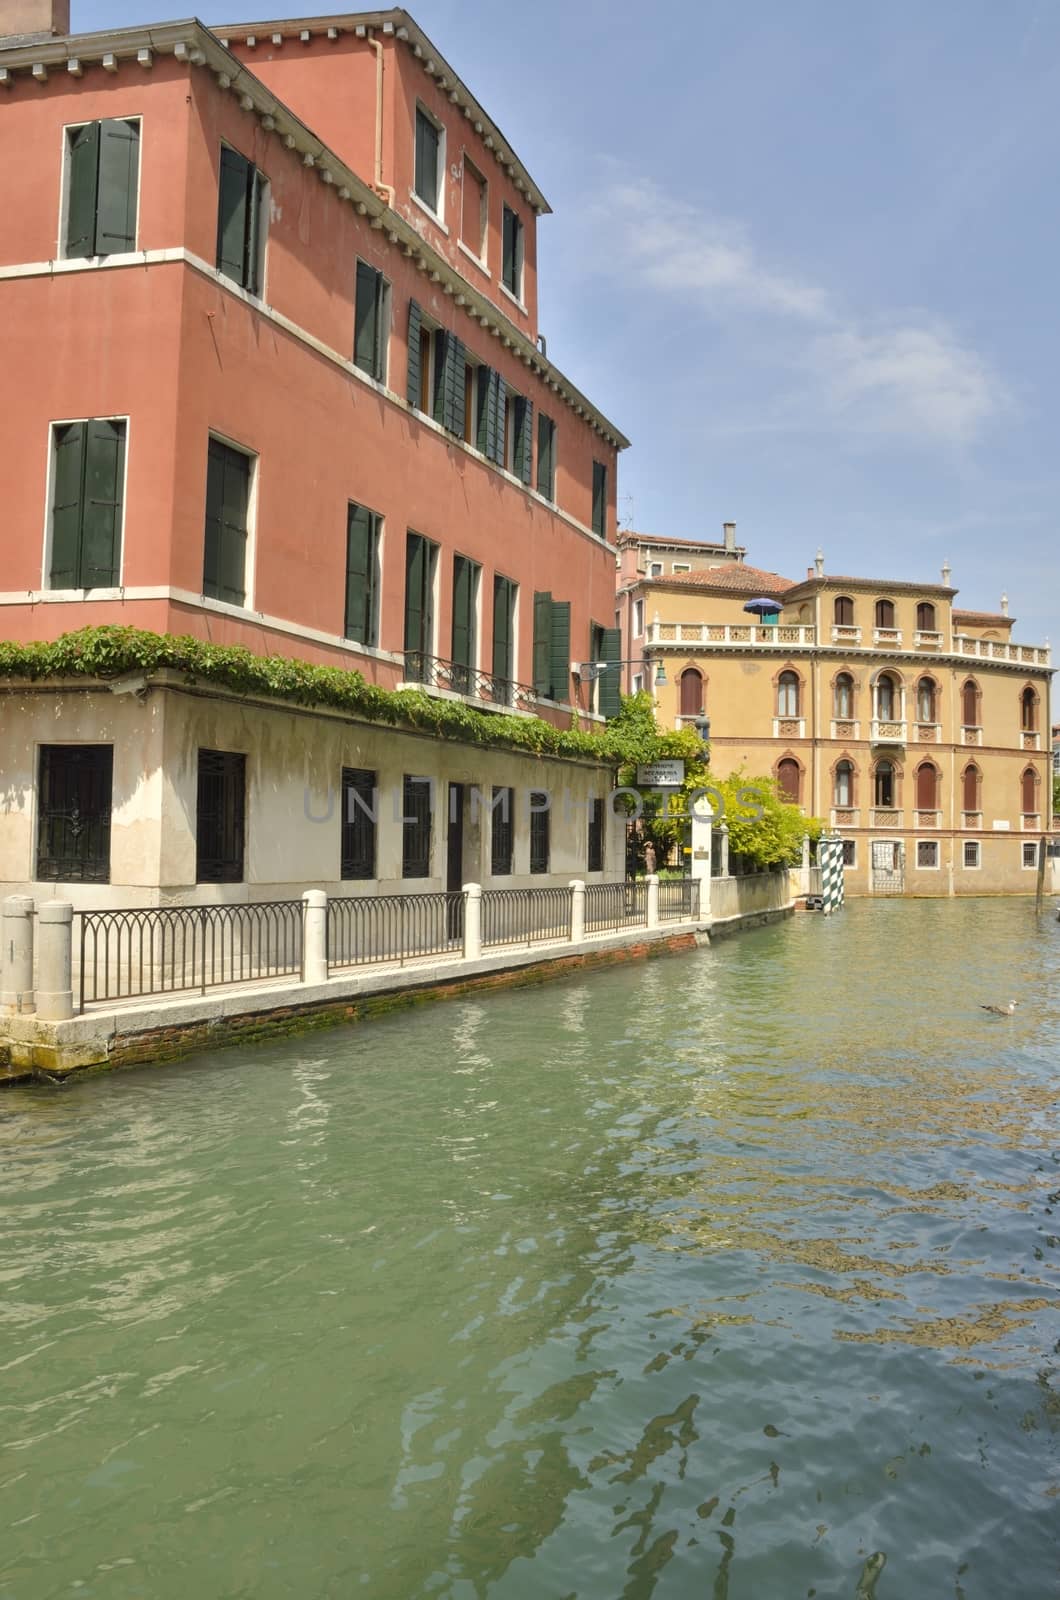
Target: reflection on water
732,1275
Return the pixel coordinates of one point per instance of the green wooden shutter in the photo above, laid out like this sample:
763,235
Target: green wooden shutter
609,686
232,215
66,505
119,161
102,505
456,366
487,411
440,399
366,321
559,650
233,576
599,498
503,597
215,482
257,188
524,424
415,566
83,178
359,562
412,387
463,612
542,642
545,438
501,390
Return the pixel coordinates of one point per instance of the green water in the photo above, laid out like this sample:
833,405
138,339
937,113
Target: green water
720,1277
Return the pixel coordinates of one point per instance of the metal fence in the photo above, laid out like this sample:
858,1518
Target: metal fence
678,899
164,949
363,929
615,905
525,916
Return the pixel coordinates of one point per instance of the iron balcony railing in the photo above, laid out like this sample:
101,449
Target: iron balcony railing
363,929
615,905
148,950
678,899
525,916
435,673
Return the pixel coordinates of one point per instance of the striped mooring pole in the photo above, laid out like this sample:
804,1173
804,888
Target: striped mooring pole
830,852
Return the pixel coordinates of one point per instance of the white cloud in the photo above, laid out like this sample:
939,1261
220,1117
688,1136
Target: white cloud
879,375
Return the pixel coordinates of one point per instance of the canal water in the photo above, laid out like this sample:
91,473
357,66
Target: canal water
730,1276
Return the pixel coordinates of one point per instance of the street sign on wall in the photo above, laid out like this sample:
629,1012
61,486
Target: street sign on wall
661,774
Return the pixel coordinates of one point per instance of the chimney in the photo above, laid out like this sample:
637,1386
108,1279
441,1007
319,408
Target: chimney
818,563
947,573
38,19
809,574
729,528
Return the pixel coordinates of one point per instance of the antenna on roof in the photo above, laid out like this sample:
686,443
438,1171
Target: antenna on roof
626,521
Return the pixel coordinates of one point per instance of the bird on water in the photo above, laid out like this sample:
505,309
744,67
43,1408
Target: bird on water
1001,1011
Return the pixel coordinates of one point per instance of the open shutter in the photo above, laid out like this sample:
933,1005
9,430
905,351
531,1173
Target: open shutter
101,517
456,365
609,685
415,561
502,632
545,428
81,196
366,332
215,481
257,188
525,441
462,592
66,506
232,215
542,642
559,653
501,391
412,389
119,161
234,527
358,573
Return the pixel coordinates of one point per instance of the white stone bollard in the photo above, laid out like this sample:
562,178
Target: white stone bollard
723,833
55,994
16,956
653,899
577,910
315,937
472,921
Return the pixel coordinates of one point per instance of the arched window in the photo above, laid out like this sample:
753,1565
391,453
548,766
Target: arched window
789,779
843,695
886,697
843,611
788,694
927,787
970,703
691,692
1028,710
883,785
885,613
843,785
1029,791
971,781
925,617
925,700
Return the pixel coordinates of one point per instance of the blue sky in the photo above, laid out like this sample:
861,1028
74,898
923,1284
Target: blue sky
806,257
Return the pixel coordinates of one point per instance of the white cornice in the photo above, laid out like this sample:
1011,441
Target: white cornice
195,45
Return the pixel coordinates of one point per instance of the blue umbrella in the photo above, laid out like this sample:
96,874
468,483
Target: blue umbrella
762,605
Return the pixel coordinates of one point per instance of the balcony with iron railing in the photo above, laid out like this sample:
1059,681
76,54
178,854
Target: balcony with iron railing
453,677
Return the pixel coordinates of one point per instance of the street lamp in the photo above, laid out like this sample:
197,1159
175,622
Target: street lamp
590,671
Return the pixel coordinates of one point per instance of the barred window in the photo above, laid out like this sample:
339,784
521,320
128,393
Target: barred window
539,831
501,831
416,828
73,813
358,823
220,817
596,836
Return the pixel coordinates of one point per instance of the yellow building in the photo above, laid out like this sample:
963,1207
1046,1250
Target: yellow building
918,730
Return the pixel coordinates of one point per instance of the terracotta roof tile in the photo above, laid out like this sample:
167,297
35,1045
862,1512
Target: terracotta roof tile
982,616
711,546
735,576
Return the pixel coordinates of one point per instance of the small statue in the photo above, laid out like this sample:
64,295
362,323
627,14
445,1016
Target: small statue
649,858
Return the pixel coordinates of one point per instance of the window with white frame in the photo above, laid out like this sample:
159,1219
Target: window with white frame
88,490
638,618
512,254
429,176
655,569
229,485
927,854
1030,855
971,853
101,187
850,852
681,566
474,212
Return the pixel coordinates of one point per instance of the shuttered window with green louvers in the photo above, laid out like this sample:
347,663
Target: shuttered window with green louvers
88,475
600,499
523,444
551,647
465,597
504,598
450,360
371,322
412,386
224,574
546,456
609,694
489,422
362,562
241,219
420,558
103,169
